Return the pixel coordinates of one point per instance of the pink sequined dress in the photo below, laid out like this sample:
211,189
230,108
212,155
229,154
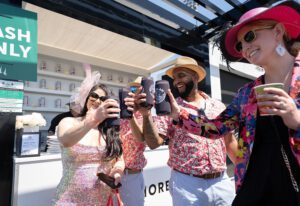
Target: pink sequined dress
79,184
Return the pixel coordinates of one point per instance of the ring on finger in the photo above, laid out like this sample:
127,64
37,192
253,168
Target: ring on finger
281,105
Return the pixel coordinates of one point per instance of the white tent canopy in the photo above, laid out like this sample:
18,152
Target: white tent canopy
68,38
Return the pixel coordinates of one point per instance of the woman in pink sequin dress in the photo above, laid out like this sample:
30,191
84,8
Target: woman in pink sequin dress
89,148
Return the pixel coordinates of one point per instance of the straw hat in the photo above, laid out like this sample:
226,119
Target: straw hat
189,63
287,13
137,82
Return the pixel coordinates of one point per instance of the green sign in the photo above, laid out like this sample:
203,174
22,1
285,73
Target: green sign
18,43
11,96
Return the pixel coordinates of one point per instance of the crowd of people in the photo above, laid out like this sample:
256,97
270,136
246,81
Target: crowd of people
199,129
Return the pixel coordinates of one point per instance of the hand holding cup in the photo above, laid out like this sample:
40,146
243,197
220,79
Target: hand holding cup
111,112
265,100
162,102
107,109
126,112
278,102
149,90
140,98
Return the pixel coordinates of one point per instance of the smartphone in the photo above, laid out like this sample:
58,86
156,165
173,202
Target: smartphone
110,181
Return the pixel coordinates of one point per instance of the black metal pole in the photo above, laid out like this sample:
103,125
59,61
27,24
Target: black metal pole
7,136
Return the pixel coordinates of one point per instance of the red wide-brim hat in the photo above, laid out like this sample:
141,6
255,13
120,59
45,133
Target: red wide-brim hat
287,13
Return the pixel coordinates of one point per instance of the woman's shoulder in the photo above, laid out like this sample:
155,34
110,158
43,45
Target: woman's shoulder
249,86
70,120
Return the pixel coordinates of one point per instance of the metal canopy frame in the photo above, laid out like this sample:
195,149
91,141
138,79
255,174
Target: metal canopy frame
147,19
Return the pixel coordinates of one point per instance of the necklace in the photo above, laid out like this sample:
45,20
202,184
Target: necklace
288,77
286,80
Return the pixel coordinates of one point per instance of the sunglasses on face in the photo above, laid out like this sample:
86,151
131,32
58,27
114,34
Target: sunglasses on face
95,96
249,37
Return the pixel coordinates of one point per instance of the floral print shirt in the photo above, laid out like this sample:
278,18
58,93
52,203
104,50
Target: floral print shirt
241,114
133,151
190,153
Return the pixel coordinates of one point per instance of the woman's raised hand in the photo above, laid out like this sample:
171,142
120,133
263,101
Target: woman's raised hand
107,109
117,177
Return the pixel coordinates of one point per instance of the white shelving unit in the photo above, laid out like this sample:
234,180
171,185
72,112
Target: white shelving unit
108,83
45,109
60,75
49,100
47,91
70,77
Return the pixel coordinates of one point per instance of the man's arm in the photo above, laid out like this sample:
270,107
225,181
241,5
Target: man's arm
136,130
151,135
149,132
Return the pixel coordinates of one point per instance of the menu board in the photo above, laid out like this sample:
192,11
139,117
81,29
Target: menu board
11,96
30,144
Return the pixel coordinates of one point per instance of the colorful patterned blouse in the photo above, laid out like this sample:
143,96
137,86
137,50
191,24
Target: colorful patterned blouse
133,151
241,113
190,153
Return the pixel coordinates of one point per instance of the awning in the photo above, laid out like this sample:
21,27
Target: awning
64,37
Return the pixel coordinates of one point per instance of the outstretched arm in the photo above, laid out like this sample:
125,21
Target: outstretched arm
136,130
151,135
149,130
225,122
71,131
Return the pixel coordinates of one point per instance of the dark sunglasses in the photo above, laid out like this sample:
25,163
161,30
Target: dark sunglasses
249,37
96,96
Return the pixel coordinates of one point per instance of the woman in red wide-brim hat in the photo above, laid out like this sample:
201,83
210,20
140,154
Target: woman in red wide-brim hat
268,159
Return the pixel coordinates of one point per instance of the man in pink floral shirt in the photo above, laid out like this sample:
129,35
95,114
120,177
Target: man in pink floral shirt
132,190
198,175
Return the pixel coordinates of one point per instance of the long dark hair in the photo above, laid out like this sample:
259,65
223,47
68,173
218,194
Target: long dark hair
111,135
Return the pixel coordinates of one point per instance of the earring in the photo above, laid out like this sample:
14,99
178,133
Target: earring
280,50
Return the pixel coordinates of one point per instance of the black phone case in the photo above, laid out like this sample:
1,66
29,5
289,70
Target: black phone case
110,181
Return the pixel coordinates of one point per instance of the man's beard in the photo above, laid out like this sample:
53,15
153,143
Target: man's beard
188,88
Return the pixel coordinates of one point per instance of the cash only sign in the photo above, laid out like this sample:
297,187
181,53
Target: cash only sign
18,43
